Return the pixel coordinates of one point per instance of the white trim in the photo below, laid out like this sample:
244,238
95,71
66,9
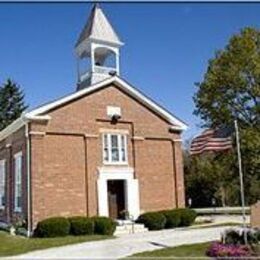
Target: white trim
37,133
120,146
20,122
138,138
177,140
122,84
19,154
3,164
90,136
114,131
131,189
36,113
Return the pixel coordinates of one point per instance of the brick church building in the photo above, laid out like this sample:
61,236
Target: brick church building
101,150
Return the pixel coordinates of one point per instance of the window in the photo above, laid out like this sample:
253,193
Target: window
114,148
2,184
18,182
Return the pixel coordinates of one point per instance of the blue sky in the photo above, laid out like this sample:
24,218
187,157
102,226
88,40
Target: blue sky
167,47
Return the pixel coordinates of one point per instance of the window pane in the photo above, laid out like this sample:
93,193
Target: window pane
2,183
106,154
123,154
2,200
115,154
18,182
114,141
19,202
123,141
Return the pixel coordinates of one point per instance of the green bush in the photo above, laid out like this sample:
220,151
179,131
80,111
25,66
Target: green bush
187,216
173,218
53,227
104,226
81,226
152,220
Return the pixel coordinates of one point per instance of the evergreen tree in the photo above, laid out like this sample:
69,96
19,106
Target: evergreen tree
11,103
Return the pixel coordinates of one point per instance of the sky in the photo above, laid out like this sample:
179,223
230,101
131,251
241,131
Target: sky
167,47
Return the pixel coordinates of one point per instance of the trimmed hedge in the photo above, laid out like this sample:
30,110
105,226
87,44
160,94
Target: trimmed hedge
81,226
187,216
152,220
173,218
104,225
167,218
53,227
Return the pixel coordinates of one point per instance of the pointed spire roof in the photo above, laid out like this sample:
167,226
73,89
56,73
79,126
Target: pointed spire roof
99,28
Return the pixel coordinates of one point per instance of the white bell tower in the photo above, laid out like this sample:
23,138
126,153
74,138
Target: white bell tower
97,50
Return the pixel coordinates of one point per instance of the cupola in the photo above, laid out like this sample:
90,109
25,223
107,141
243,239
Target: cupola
97,50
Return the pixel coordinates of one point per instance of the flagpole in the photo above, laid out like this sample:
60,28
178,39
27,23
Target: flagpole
241,180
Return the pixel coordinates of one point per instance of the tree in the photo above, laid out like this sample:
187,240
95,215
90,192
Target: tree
231,86
211,176
11,103
231,90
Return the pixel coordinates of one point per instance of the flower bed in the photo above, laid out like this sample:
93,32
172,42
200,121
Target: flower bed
233,244
219,250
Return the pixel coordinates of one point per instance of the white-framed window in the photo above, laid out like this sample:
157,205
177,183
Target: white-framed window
18,163
114,148
2,184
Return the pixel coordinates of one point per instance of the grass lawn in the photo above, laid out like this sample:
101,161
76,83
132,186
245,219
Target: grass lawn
14,245
194,250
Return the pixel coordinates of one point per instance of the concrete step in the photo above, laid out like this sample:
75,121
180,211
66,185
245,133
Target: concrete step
130,229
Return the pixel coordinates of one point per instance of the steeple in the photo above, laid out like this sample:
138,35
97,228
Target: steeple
97,50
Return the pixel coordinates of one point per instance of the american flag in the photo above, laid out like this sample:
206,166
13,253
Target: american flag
211,140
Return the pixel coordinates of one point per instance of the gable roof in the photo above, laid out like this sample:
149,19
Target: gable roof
99,28
122,84
40,112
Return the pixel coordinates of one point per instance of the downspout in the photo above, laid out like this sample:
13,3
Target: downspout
28,167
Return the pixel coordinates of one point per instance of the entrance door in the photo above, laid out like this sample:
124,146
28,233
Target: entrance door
116,197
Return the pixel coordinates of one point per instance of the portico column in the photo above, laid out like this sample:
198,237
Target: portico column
102,197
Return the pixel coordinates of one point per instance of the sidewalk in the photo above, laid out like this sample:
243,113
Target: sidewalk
130,244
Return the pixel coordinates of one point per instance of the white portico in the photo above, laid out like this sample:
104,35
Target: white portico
131,189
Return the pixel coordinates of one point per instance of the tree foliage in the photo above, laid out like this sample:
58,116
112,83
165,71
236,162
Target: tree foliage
11,103
231,86
211,176
231,90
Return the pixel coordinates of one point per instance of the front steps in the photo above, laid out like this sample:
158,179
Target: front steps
129,228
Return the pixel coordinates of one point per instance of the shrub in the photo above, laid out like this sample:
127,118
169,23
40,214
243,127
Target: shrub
152,220
257,230
237,236
53,227
187,217
81,226
172,218
104,225
225,251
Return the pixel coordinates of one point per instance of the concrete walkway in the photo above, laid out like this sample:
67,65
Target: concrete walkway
130,244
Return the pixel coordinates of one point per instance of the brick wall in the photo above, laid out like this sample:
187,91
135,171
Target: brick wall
67,151
8,148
